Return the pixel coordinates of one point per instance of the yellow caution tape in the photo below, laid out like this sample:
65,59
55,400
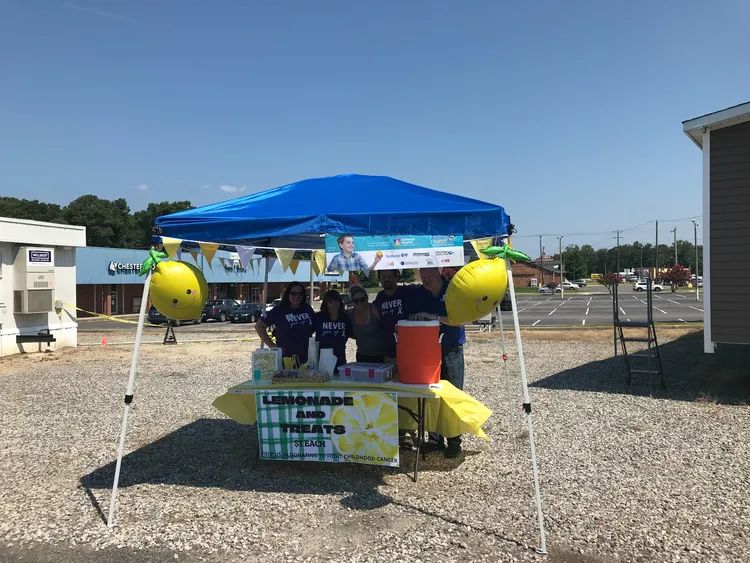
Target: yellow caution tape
109,318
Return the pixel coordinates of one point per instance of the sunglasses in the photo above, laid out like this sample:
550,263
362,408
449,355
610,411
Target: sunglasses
360,300
295,294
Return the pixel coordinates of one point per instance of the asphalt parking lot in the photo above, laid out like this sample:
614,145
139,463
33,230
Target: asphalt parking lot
571,309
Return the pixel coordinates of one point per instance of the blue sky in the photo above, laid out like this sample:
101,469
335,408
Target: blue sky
566,113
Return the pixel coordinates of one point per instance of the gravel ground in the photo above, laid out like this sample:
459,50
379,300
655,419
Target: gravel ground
625,476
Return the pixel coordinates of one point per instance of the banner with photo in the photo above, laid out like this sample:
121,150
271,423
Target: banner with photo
347,253
328,426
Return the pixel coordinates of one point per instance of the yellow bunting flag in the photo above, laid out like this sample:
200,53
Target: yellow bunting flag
315,267
480,244
293,265
194,254
252,268
320,260
209,251
170,245
285,256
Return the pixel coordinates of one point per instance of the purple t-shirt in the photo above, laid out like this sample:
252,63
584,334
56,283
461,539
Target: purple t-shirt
294,327
393,308
333,334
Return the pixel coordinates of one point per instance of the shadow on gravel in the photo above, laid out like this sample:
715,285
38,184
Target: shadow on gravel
689,374
218,453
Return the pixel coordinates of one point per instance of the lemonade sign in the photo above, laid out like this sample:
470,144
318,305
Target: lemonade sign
328,426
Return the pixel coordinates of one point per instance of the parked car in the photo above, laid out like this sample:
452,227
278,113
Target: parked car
246,313
549,288
643,286
275,303
156,318
565,285
506,304
580,283
219,309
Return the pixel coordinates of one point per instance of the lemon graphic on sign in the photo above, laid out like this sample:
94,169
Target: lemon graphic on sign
371,426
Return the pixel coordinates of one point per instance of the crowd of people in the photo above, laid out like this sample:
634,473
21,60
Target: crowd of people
372,326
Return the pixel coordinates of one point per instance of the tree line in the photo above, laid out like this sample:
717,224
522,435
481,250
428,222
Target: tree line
109,223
581,262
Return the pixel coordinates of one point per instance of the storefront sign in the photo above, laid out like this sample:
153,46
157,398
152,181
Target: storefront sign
346,253
328,426
124,267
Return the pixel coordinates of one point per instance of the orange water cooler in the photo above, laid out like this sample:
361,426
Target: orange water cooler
418,352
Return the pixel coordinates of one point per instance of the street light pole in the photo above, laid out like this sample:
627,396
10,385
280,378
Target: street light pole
695,237
562,289
541,261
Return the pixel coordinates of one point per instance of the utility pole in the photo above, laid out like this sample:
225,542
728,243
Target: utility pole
541,260
618,252
675,245
695,237
562,289
656,257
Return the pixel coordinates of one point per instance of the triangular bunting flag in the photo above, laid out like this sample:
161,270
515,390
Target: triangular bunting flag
315,267
209,251
170,245
480,244
252,268
293,265
320,259
285,256
178,256
223,263
245,253
194,254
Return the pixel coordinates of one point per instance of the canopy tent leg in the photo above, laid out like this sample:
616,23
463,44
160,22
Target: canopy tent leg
312,279
527,409
128,400
265,292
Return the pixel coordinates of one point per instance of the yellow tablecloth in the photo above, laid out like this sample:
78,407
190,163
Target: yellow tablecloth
448,410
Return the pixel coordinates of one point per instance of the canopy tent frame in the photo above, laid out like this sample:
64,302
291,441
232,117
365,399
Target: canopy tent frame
224,244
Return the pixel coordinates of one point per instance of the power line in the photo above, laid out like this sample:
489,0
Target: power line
609,233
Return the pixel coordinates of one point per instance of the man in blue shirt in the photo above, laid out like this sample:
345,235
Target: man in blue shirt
429,300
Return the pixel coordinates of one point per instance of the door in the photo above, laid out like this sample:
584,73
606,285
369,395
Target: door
113,302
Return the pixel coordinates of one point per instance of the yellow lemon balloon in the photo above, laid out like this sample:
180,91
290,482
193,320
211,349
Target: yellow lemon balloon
178,290
475,290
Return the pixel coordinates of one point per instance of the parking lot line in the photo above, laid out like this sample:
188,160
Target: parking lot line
672,301
552,311
681,320
662,310
536,322
621,310
696,308
583,322
587,310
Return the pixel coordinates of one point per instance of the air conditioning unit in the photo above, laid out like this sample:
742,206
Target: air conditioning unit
30,301
34,268
34,280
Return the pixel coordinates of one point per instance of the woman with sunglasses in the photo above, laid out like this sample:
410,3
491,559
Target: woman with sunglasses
366,327
333,327
293,322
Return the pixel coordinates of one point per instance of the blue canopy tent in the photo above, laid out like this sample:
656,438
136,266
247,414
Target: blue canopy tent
298,215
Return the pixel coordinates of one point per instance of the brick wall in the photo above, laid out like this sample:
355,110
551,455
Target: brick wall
523,273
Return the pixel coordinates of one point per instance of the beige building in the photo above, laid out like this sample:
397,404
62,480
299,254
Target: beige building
37,276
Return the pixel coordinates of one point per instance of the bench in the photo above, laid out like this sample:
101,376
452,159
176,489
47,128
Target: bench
41,336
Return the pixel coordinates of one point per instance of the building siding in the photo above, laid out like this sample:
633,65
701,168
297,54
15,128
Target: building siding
730,233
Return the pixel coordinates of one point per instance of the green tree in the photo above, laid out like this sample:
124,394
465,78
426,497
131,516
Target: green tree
574,263
589,257
33,210
143,220
108,223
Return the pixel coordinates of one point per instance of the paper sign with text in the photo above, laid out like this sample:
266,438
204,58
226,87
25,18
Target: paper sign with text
346,253
328,426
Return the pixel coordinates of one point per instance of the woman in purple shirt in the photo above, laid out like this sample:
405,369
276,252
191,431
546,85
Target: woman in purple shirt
293,321
333,327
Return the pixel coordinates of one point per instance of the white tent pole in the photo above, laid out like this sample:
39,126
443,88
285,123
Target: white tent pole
527,409
265,292
128,399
